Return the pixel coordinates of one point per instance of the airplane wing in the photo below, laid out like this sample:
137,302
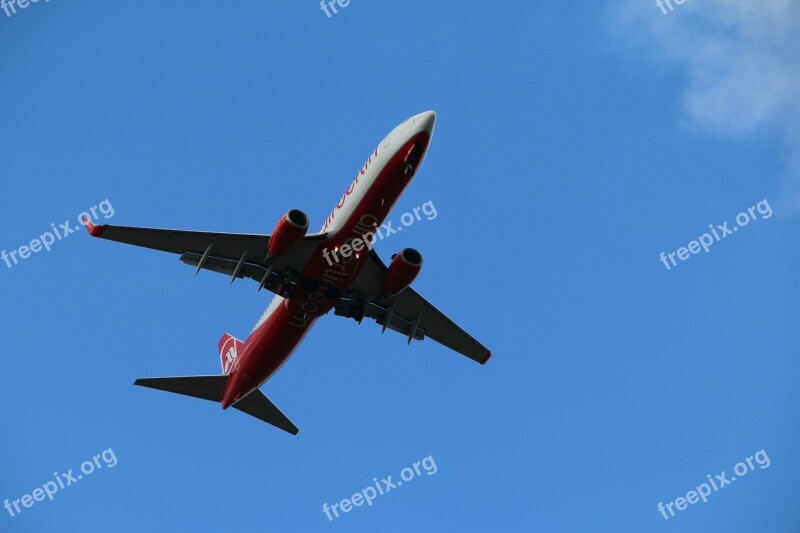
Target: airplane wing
407,312
237,255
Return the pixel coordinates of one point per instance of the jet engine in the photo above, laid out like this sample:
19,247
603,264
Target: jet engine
402,270
290,230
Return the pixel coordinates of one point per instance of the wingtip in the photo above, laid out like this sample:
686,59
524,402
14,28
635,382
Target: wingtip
489,356
93,229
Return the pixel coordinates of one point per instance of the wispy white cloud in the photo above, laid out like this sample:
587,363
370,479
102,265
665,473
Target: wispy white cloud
741,59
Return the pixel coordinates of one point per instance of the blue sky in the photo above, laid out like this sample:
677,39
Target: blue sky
574,144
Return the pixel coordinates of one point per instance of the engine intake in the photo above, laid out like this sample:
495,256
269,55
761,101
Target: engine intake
402,271
290,230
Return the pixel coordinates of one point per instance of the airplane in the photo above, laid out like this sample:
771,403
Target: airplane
300,269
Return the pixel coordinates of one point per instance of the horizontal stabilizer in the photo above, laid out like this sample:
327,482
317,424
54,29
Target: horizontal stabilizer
204,387
212,388
257,405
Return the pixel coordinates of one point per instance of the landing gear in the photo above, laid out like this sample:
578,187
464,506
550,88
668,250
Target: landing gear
353,306
361,312
288,285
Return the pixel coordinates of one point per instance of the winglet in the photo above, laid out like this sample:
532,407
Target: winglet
93,229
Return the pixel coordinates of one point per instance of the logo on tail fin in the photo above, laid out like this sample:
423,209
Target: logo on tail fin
227,363
229,347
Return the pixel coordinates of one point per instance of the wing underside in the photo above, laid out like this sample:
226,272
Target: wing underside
407,313
236,255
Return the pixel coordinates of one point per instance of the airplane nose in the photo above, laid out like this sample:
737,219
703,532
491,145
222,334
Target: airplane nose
425,121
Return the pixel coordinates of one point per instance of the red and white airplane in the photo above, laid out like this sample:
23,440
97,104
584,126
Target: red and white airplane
310,275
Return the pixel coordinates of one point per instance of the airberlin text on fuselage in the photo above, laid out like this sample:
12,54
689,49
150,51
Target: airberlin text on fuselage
349,190
336,272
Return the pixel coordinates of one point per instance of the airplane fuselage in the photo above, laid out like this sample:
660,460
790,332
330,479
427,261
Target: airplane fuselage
363,208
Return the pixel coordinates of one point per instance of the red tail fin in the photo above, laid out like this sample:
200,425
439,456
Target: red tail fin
229,348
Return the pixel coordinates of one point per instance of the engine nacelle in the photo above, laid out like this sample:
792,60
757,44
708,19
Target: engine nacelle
290,230
402,270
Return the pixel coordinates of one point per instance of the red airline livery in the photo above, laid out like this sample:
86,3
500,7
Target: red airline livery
310,275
